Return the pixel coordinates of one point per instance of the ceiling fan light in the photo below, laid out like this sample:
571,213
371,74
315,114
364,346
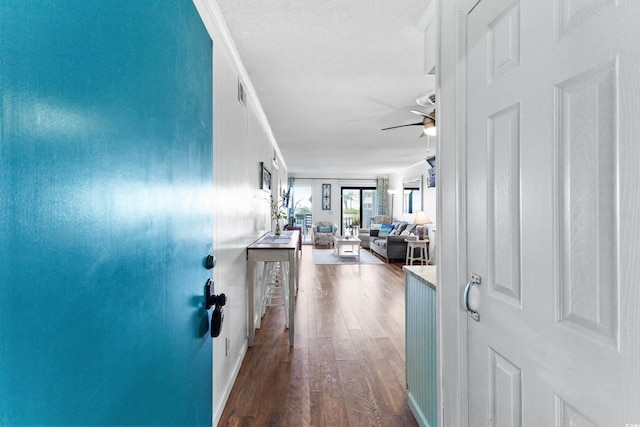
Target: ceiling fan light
431,131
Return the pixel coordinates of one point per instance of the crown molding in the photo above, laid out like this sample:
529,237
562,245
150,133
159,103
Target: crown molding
217,28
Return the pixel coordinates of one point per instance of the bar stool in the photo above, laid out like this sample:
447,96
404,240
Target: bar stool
274,290
419,246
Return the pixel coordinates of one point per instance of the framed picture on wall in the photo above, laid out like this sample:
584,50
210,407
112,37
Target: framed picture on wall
431,182
326,197
265,183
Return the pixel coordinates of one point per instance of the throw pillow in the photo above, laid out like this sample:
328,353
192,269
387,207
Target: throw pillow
411,228
325,229
385,229
382,219
404,233
375,226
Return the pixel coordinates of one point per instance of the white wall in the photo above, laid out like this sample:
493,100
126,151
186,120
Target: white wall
241,212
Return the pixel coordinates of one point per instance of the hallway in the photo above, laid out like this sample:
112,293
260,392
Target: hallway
347,367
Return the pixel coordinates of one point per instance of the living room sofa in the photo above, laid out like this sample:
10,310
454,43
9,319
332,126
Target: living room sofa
391,246
363,233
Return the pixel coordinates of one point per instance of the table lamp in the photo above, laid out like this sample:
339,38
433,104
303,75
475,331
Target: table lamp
420,220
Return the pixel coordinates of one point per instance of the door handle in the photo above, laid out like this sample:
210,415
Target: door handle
475,280
217,302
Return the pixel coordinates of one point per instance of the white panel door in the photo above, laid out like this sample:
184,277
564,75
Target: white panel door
553,212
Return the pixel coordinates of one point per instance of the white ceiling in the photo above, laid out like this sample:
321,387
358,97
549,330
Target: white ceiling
330,74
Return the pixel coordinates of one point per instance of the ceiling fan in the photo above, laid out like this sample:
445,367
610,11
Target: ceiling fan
428,122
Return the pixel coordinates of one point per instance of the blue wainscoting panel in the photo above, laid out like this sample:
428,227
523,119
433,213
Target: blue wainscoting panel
105,195
421,351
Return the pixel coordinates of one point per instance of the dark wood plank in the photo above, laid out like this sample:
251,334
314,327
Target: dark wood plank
358,390
299,410
316,417
273,406
241,422
384,392
347,366
333,398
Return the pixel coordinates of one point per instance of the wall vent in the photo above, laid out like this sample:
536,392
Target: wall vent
241,93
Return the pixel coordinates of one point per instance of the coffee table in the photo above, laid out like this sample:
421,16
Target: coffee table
347,247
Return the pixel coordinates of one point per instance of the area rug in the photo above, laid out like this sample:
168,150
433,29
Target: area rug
327,256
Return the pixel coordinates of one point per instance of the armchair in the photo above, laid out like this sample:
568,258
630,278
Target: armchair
323,233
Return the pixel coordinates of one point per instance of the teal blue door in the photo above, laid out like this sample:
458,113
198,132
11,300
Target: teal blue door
105,221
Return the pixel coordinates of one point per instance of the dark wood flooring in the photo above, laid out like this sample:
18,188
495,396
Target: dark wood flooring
347,367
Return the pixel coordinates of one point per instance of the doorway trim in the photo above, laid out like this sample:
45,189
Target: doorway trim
452,329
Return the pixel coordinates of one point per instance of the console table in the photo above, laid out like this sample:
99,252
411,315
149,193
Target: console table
272,248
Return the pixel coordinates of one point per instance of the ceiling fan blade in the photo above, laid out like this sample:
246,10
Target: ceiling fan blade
401,126
428,113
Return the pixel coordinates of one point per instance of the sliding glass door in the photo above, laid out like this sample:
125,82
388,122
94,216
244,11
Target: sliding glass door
302,208
357,208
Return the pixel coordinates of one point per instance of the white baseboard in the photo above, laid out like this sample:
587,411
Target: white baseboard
217,413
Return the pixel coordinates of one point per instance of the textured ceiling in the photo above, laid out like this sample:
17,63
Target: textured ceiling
330,74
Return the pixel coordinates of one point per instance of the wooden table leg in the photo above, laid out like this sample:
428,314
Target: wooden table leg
292,294
250,298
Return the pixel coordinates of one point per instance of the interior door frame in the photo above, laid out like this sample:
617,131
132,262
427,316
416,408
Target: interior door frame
461,162
457,380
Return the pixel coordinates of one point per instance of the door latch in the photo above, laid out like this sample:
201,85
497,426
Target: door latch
210,262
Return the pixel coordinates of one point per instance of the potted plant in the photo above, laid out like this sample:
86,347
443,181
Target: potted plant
355,226
278,210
